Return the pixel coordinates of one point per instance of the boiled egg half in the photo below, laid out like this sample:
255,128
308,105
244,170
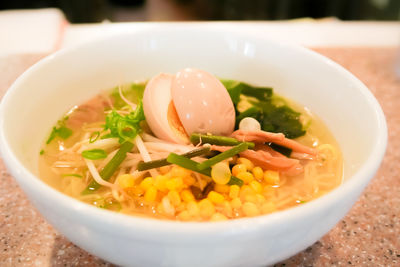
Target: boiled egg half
191,101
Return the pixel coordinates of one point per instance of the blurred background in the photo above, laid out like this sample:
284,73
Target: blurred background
87,11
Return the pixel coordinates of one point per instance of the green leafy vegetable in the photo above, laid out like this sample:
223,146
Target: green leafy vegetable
107,172
60,130
235,88
281,149
259,103
41,152
125,128
94,154
142,166
196,138
222,156
281,119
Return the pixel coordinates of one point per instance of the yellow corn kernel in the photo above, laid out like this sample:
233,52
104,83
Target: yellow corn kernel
221,188
247,177
218,217
184,216
238,168
268,207
137,191
178,171
258,173
160,208
246,190
250,198
146,183
189,180
250,209
215,197
207,208
187,195
151,194
174,198
165,169
260,198
248,163
271,177
126,181
174,183
236,203
234,191
193,208
226,208
160,183
181,207
256,186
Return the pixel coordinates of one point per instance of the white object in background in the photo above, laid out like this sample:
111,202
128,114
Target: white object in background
31,31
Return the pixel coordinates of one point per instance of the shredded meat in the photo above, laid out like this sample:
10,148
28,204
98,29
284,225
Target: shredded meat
91,111
276,138
268,159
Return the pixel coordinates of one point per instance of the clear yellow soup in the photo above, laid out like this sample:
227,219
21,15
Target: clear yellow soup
174,193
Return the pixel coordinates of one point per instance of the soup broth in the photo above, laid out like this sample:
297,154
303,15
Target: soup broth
81,147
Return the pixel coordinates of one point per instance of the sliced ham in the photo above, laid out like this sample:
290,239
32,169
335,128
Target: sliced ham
91,111
276,138
267,160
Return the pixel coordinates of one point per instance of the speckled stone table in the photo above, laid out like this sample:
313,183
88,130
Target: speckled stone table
368,236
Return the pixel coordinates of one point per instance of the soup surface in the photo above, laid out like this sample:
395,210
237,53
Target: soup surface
191,148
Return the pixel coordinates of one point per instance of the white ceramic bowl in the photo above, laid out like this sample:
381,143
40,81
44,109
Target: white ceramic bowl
48,89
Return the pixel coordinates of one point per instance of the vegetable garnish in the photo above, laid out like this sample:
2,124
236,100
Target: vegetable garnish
187,163
216,140
192,165
71,175
94,154
41,152
127,127
281,149
110,168
235,181
133,92
142,166
235,88
222,156
261,104
60,130
94,136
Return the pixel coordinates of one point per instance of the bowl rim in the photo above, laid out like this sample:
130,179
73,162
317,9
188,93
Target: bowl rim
131,225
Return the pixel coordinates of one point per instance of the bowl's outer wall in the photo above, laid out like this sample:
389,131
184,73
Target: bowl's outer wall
40,97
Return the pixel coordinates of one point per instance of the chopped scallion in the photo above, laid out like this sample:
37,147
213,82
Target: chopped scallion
142,166
216,140
94,154
222,156
107,172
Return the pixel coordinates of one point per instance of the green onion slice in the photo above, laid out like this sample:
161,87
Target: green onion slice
216,140
142,166
222,156
107,172
94,154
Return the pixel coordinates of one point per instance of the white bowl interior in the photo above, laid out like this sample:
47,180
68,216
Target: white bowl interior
49,89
